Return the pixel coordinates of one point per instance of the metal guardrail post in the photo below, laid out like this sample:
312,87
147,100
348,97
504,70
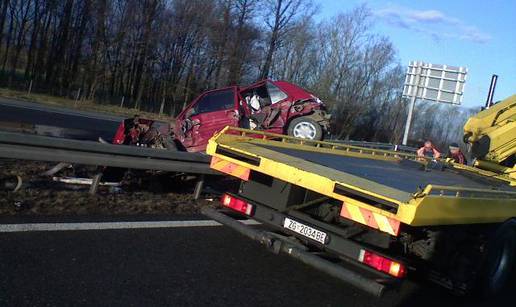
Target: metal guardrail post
95,183
198,187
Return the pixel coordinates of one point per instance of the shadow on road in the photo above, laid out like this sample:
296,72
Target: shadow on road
432,295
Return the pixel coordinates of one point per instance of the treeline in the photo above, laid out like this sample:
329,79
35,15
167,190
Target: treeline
157,55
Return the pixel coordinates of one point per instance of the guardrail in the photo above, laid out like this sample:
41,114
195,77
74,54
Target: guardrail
41,148
376,145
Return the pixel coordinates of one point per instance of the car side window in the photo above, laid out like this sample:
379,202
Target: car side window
275,93
216,101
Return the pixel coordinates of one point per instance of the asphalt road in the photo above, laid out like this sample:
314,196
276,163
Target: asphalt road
155,267
195,266
77,124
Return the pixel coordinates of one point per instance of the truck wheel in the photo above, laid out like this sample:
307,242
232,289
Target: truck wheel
499,263
305,128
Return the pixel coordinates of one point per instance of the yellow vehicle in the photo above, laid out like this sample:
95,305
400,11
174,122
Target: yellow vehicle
380,216
492,135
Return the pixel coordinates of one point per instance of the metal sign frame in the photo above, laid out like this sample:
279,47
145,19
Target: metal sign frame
435,82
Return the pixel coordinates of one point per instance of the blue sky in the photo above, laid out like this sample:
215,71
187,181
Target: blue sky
480,35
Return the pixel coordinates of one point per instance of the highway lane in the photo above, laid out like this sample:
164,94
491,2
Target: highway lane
193,266
81,124
177,267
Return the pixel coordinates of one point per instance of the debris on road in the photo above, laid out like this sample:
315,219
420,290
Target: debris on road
43,196
83,181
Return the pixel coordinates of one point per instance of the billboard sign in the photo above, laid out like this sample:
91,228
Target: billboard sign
435,82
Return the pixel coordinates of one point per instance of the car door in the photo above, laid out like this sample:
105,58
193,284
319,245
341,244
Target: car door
211,113
280,105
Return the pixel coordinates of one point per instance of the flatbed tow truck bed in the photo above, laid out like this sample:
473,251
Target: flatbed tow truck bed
364,201
404,175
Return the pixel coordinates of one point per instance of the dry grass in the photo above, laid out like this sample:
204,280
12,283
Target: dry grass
83,105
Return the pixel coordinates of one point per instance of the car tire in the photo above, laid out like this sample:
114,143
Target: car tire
306,128
500,260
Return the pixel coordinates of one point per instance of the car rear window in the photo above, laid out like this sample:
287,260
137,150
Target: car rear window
275,93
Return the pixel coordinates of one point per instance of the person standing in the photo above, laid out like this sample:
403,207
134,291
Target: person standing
428,150
456,154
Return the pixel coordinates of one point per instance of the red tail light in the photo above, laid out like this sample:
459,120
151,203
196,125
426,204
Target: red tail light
382,264
236,204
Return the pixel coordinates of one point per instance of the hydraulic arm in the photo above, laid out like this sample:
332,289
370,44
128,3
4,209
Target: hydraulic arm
492,135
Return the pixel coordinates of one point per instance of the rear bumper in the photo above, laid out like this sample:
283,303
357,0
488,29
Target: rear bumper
280,244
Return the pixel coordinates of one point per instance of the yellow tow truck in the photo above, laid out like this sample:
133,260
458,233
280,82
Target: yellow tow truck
373,218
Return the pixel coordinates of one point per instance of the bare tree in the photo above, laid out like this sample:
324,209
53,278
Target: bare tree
279,17
244,37
12,6
157,55
4,5
298,54
98,48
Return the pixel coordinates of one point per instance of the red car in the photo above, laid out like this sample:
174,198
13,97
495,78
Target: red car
273,106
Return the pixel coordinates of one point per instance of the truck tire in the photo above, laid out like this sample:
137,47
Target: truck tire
306,128
499,262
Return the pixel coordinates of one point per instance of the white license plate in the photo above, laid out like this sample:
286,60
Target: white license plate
304,230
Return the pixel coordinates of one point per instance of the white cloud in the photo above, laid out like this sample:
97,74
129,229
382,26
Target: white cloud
428,16
433,23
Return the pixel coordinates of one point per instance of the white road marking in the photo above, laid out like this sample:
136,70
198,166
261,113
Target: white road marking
111,225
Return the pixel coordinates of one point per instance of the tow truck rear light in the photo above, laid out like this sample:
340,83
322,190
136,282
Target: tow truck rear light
236,204
382,264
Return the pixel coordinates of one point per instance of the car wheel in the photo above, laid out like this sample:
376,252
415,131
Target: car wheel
305,128
499,263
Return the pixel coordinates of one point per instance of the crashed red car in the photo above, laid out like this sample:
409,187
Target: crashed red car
273,106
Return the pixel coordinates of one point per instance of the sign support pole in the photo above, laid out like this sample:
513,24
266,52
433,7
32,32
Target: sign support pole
411,106
409,119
